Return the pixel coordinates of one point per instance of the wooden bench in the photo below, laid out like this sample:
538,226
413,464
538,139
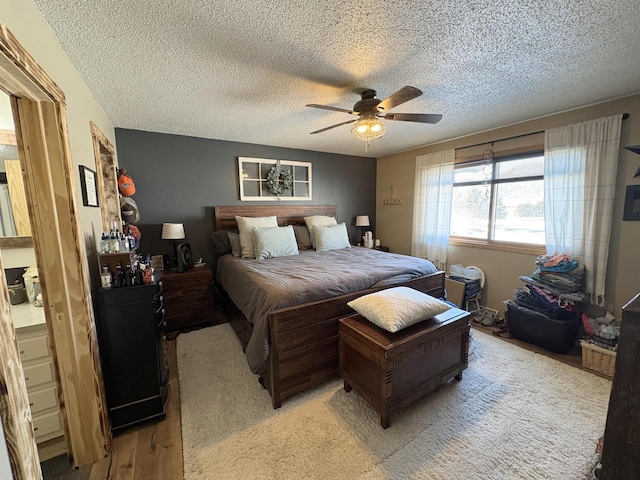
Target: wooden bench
393,370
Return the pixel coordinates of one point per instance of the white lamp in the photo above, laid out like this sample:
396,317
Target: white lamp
363,222
173,231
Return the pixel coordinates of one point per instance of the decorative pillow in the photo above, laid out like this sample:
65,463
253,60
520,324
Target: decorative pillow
220,240
246,234
318,220
333,237
274,242
234,241
302,237
396,308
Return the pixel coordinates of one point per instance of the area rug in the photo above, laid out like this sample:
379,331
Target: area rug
515,415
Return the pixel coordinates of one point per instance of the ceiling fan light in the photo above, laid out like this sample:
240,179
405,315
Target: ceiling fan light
368,128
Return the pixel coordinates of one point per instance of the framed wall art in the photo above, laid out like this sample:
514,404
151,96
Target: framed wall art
262,179
632,203
89,190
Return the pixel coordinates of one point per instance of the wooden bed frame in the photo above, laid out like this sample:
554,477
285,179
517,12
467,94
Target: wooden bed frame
303,338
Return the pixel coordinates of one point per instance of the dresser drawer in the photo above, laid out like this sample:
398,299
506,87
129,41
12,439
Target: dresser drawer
38,374
178,293
42,400
189,302
47,426
33,347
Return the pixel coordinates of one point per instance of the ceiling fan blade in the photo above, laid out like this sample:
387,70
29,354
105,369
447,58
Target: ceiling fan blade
403,95
414,117
335,109
334,126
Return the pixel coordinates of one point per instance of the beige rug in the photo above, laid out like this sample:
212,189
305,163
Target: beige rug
515,415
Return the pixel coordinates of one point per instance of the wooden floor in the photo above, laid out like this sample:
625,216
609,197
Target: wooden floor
573,357
152,451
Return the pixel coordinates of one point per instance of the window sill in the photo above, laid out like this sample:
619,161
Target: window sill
523,248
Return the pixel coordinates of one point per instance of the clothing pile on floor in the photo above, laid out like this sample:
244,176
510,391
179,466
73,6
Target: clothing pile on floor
554,289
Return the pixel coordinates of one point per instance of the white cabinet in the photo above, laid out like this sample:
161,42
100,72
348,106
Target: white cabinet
37,364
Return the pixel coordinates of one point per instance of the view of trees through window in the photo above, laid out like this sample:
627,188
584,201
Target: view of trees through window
500,200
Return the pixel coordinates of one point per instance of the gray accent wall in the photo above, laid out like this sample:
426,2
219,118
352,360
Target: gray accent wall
180,179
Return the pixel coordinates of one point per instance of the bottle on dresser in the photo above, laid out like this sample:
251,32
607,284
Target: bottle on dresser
105,277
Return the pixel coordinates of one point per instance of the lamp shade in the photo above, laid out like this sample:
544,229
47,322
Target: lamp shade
172,231
362,221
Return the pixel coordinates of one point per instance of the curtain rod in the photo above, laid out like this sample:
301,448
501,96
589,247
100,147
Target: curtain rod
624,117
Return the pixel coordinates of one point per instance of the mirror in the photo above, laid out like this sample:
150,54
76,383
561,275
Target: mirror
15,227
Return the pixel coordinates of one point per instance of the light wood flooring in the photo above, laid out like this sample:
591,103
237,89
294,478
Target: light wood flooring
151,451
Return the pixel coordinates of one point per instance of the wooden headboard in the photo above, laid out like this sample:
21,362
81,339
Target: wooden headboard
225,217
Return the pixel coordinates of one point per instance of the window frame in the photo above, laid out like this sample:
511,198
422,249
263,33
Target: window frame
491,244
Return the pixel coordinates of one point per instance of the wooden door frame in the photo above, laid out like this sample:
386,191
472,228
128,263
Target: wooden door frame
105,153
39,108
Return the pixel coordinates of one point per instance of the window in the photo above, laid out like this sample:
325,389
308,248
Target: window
500,201
254,175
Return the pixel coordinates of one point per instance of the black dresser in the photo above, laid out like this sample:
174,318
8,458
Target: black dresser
621,449
130,336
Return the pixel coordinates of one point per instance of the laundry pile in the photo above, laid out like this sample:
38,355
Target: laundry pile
554,289
602,331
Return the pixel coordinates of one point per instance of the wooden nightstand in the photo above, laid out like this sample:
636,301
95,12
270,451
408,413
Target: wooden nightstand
188,298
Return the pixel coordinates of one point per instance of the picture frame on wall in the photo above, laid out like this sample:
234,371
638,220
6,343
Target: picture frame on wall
263,179
632,203
89,188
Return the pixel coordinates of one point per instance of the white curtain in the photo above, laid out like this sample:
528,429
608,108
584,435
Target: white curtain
581,162
432,207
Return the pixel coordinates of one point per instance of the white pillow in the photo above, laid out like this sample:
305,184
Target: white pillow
396,308
246,234
332,237
317,220
274,242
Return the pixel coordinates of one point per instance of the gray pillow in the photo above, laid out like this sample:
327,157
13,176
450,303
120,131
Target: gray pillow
302,237
234,241
333,237
220,241
273,242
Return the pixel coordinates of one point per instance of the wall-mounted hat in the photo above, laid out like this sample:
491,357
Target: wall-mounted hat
129,210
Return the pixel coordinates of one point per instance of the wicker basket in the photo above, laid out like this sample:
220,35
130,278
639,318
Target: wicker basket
598,358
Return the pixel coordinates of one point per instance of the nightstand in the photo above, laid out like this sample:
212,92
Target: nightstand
188,298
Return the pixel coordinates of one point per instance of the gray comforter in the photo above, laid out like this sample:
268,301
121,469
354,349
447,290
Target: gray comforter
258,287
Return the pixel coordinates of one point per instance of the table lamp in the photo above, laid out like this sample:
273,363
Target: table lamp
362,221
173,231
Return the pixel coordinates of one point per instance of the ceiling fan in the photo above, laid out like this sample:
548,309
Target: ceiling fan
372,110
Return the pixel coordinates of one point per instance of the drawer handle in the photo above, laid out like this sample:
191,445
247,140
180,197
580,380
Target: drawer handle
31,404
21,352
35,429
26,379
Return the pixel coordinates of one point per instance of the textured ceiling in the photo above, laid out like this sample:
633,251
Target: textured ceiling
244,70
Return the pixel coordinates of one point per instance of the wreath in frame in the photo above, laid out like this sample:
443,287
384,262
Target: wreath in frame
278,180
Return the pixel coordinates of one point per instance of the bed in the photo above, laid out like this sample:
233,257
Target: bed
287,318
